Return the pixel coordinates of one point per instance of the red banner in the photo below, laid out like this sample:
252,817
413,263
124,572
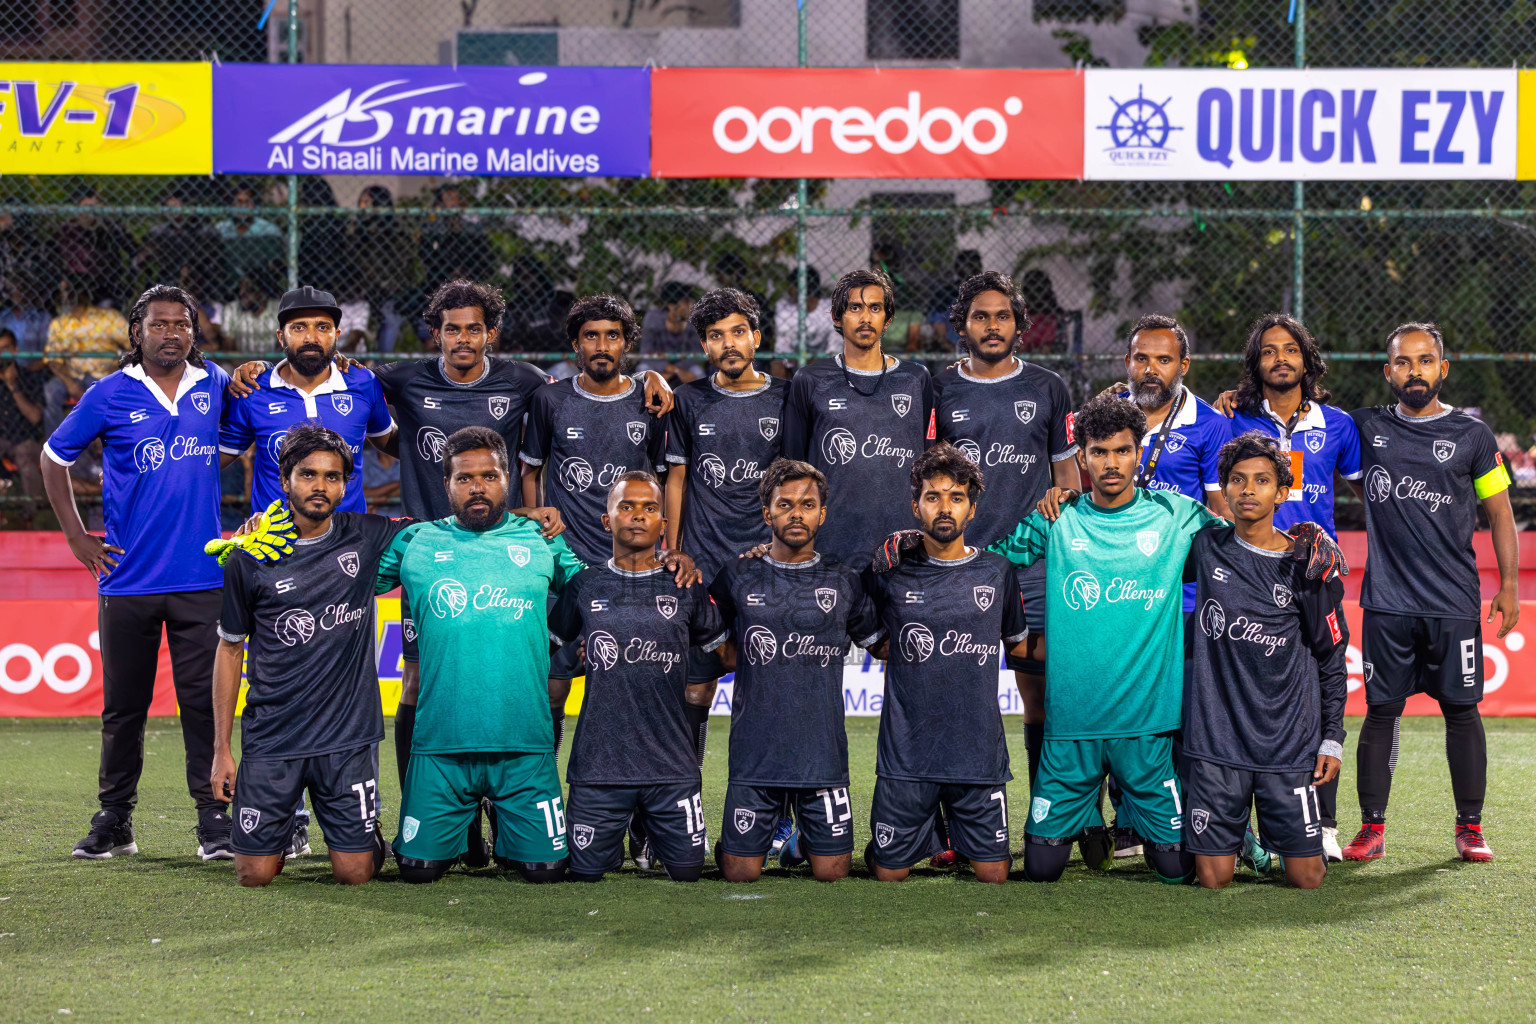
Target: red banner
866,123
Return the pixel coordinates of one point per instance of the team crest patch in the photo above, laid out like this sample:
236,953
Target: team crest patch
1039,807
636,431
768,426
666,604
200,402
1146,542
902,404
1199,818
581,835
409,826
1282,595
745,819
342,404
250,817
1025,411
1368,670
519,554
983,597
1175,441
500,405
1444,450
409,626
826,598
883,834
349,563
1315,440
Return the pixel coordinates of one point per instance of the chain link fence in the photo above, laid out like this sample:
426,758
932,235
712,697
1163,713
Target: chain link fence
1352,259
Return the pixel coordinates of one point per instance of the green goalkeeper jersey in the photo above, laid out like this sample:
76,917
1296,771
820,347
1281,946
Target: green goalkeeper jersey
1114,631
474,611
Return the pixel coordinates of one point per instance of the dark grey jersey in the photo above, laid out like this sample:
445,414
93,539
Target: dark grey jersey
1014,427
585,442
1423,477
940,721
1266,684
792,623
309,626
863,430
429,408
726,439
638,627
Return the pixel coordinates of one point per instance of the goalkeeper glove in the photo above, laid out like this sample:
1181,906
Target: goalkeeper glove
888,555
270,537
1324,559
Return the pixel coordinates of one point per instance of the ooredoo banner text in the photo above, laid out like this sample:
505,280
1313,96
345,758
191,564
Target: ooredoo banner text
866,123
423,119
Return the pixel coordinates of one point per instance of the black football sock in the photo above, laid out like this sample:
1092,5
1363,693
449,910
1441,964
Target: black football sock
559,718
405,724
1376,759
1466,751
698,724
1034,739
1328,803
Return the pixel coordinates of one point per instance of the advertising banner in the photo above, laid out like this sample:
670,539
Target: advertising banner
866,123
105,118
422,119
1158,124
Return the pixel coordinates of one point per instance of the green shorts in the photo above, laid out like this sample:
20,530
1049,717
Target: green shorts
442,795
1064,800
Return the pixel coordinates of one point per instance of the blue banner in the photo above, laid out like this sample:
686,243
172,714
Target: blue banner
424,119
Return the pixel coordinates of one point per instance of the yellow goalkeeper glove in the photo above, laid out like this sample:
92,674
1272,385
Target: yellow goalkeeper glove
269,538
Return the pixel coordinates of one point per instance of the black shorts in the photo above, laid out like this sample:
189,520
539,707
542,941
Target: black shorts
597,820
343,793
902,818
823,816
1032,591
704,666
1218,798
1406,654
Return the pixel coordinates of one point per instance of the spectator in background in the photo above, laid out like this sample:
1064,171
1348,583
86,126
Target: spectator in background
79,327
23,257
25,316
730,271
382,262
92,250
1044,332
535,317
184,251
820,337
249,241
381,479
665,328
21,416
322,253
454,246
245,324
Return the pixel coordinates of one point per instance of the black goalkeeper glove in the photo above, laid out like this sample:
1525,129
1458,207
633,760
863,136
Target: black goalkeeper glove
1324,559
888,555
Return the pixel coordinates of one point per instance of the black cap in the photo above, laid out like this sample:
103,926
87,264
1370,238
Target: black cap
299,300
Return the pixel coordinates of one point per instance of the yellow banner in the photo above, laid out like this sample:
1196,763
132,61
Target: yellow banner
106,118
1525,146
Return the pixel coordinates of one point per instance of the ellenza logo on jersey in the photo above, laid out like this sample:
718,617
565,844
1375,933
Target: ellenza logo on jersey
1081,592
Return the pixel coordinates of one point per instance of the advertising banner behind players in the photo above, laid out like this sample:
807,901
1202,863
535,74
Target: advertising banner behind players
1280,125
105,118
866,123
383,119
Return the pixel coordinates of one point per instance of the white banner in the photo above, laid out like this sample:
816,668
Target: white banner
1157,124
864,689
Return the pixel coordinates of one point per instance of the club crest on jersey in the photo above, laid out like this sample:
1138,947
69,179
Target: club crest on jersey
409,826
1213,618
519,554
1175,441
1282,595
409,627
1444,450
745,819
983,597
602,648
636,431
342,404
902,404
916,642
582,836
295,626
1039,808
1025,411
826,598
349,563
883,834
666,604
500,405
201,402
1368,670
250,817
1200,818
768,426
761,645
1315,440
1378,484
1146,542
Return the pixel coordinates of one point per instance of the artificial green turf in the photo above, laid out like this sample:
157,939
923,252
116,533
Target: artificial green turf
1416,936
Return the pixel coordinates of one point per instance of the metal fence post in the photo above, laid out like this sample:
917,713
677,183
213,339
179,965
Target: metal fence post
801,193
1299,194
293,179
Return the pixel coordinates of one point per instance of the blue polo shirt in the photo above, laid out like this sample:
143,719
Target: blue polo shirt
159,475
351,403
1326,442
